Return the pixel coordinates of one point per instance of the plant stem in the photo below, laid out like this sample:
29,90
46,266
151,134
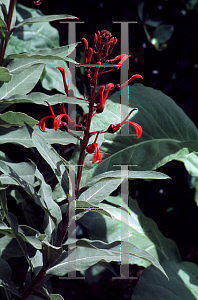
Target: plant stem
86,136
63,231
36,281
4,41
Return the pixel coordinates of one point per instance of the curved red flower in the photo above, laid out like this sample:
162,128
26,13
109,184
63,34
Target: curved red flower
42,123
58,123
95,148
113,128
57,120
100,106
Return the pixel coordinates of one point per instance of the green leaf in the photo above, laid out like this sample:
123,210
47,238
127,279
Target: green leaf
39,35
4,8
39,288
52,79
56,297
39,98
24,169
98,191
163,33
111,175
22,82
25,233
168,134
190,161
43,56
22,136
89,253
11,118
3,28
182,284
142,231
5,278
50,252
49,155
5,75
83,207
16,45
53,210
6,169
49,18
7,244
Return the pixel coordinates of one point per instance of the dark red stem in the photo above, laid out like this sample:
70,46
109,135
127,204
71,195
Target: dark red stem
36,281
4,41
86,136
63,231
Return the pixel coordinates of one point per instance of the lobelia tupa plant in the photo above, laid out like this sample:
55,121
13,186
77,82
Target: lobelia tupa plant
54,221
102,47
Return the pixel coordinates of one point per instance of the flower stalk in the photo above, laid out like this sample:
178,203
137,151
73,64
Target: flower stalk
103,45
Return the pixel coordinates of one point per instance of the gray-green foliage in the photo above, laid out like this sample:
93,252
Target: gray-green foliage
41,190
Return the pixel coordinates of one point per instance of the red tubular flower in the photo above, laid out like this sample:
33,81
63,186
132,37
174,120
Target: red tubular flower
57,120
113,128
90,52
123,60
100,106
70,92
39,2
113,60
42,121
118,87
95,148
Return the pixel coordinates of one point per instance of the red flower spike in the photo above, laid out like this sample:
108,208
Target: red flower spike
64,79
95,148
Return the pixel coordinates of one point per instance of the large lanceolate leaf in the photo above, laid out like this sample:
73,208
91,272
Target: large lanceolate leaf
22,136
11,118
168,134
22,82
50,156
142,231
39,98
51,208
103,185
5,278
44,56
40,35
88,253
43,19
182,284
5,75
